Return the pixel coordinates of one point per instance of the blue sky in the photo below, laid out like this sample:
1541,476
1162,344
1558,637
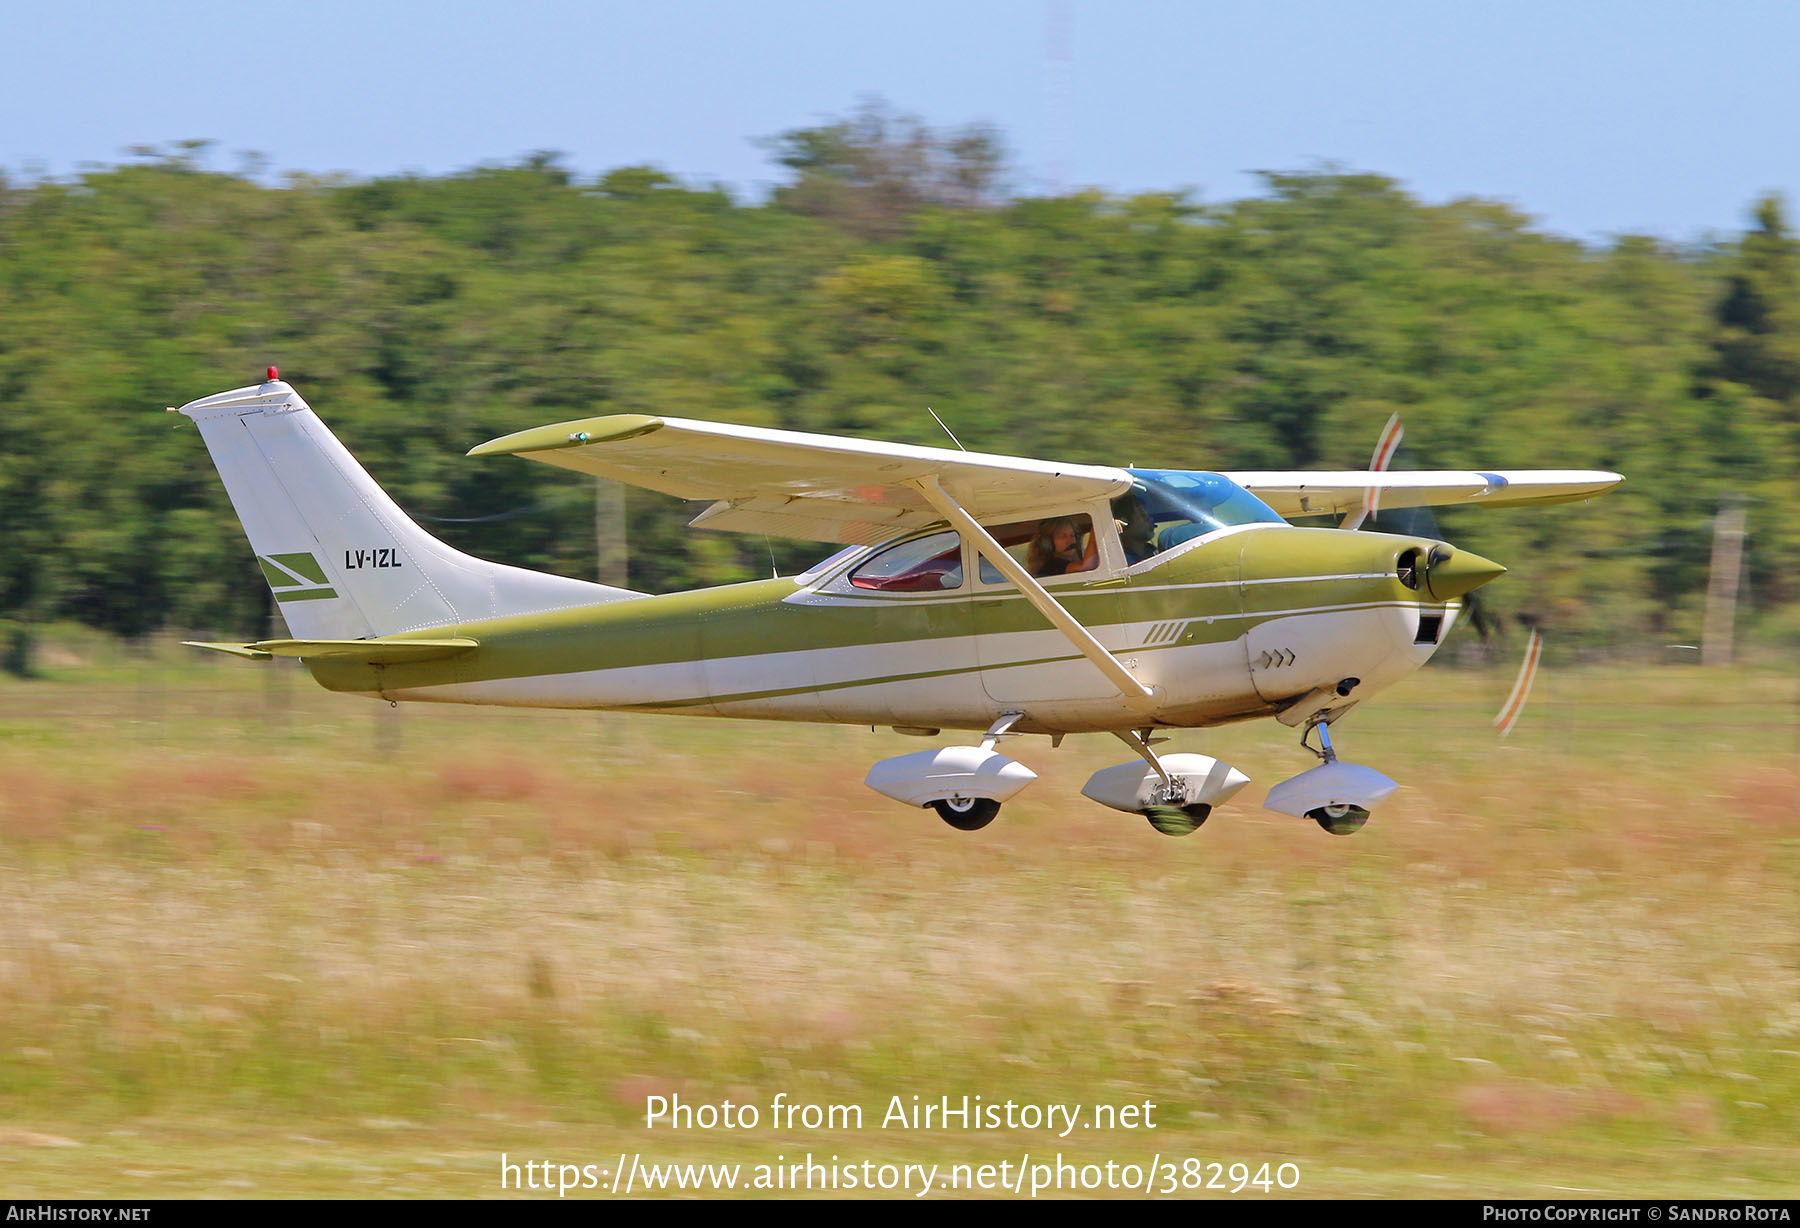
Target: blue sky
1596,117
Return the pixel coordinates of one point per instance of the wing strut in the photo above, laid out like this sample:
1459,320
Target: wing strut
1140,742
1033,592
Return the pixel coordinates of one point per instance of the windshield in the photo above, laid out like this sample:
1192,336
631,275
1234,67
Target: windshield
1166,507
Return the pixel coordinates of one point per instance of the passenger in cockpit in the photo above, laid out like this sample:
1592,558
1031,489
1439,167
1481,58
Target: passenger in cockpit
1056,550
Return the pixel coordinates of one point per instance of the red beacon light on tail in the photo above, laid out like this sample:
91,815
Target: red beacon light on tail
273,375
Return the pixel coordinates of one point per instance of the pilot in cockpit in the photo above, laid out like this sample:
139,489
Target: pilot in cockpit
1136,530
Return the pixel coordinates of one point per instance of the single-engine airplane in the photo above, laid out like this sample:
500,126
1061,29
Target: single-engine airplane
975,592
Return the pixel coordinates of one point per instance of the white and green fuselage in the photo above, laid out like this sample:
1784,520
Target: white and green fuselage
1224,621
1226,629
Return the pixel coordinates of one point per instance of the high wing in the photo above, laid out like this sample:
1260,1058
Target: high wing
801,485
1334,492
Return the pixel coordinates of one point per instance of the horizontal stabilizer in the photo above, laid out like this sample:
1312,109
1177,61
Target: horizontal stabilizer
357,652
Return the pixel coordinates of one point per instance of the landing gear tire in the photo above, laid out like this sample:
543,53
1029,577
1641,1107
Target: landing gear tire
1178,820
967,813
1340,820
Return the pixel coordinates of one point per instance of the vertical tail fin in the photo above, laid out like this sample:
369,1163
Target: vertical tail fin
341,557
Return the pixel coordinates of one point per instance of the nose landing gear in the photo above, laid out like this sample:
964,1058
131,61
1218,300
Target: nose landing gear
1340,819
1336,795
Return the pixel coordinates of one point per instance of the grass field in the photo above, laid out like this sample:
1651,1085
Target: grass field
259,940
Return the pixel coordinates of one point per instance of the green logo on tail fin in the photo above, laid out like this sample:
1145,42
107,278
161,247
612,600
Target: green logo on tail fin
295,577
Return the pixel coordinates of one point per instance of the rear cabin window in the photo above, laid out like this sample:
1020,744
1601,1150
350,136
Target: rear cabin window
922,565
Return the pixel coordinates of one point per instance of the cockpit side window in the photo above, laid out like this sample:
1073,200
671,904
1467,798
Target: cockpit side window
1166,507
1046,548
1137,529
922,565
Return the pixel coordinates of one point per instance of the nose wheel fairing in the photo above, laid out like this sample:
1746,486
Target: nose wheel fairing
1334,788
1336,795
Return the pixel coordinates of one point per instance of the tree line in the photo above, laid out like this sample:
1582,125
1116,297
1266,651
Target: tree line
893,270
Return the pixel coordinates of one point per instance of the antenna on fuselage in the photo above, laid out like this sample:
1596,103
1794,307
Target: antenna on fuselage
947,430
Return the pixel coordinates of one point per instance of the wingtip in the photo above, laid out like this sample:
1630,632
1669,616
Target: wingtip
575,434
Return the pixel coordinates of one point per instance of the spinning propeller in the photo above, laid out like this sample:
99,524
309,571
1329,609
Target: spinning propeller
1419,522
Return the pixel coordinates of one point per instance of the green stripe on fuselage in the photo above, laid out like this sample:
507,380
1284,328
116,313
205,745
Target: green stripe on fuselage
1310,567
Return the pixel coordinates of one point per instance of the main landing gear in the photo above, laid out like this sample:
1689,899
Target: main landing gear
967,784
1174,819
964,784
1336,795
967,813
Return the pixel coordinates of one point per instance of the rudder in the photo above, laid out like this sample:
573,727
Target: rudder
343,561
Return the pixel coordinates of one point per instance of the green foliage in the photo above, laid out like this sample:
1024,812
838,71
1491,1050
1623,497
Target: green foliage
892,273
15,648
871,173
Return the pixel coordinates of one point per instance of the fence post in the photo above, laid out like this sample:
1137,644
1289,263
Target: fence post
1722,582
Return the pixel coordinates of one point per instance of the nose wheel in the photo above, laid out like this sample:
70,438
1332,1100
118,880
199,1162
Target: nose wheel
1339,820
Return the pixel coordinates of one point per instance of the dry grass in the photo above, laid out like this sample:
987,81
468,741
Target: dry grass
1577,955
